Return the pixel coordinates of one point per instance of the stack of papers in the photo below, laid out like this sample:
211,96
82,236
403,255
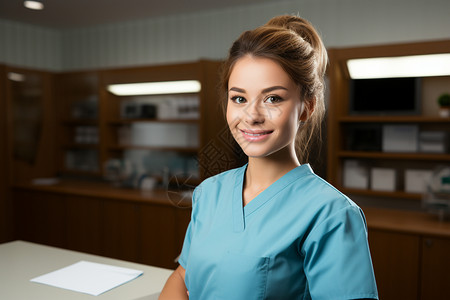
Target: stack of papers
88,277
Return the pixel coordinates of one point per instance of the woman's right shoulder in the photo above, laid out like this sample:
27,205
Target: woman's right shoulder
223,178
221,184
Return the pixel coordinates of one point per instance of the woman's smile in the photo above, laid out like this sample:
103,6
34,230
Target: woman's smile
255,135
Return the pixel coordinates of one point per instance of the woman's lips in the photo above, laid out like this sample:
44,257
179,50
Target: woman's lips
255,135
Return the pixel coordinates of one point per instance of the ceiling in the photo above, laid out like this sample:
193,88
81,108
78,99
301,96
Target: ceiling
81,13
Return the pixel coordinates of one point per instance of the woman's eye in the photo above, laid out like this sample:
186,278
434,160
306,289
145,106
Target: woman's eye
273,99
238,99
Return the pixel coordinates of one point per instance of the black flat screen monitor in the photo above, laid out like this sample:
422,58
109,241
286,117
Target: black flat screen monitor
385,96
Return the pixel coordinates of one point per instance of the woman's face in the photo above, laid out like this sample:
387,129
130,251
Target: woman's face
264,107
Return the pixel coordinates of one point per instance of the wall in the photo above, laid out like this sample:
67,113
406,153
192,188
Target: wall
30,46
208,34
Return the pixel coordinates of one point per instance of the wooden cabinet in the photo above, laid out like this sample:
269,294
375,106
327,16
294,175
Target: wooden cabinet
40,218
342,122
163,133
409,253
120,230
91,218
30,116
76,95
435,266
180,134
91,127
83,223
410,266
395,258
154,224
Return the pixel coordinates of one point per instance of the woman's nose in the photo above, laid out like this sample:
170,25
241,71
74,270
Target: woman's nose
254,113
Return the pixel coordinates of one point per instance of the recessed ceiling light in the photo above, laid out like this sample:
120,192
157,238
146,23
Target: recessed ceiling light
16,76
34,4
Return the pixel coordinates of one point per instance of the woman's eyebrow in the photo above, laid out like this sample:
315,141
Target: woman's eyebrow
264,91
273,88
236,89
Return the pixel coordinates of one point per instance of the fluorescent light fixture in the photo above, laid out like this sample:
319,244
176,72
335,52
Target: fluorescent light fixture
401,66
155,88
35,5
16,76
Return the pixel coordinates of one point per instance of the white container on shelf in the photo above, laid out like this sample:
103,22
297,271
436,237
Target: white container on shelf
433,141
383,179
164,135
400,138
356,174
416,180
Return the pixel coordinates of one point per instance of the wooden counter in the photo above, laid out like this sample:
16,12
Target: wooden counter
413,222
105,190
95,217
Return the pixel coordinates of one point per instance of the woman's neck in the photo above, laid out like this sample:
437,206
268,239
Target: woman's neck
264,171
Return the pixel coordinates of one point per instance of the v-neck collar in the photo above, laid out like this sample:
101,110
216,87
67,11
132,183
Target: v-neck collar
240,212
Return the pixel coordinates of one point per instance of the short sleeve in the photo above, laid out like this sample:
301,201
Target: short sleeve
182,260
337,260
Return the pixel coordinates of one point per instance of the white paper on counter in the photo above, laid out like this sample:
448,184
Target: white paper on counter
88,277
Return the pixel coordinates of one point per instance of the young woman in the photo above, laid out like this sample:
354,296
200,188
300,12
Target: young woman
272,229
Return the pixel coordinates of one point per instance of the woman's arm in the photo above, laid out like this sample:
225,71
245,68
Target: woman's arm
175,287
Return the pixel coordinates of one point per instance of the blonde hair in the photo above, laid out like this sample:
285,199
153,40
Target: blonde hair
295,45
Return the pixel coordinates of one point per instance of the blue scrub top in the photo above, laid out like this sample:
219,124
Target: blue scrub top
298,239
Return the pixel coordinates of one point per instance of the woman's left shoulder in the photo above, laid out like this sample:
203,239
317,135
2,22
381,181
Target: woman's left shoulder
322,193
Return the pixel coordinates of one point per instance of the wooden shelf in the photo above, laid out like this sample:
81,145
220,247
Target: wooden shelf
120,122
82,173
133,97
342,124
118,129
402,156
392,119
80,88
395,194
80,122
80,146
159,148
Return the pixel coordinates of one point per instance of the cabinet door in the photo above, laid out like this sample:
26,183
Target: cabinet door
84,224
40,217
396,262
120,230
158,236
183,218
435,268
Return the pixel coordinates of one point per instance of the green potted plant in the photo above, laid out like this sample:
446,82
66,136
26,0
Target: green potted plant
444,105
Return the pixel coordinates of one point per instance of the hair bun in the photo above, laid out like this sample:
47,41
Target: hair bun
299,25
305,30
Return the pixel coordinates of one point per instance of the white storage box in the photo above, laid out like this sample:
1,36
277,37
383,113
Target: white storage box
416,180
433,141
356,175
400,138
383,179
164,135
